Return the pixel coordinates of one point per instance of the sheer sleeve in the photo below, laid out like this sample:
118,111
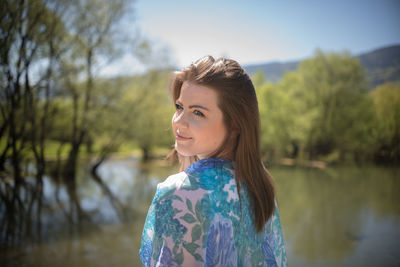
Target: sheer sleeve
273,246
172,234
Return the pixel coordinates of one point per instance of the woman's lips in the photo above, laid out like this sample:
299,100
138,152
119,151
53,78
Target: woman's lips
182,138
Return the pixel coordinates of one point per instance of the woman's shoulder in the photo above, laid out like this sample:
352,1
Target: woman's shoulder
173,181
210,173
169,186
203,175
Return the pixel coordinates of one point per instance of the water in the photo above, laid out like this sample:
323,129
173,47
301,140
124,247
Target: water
342,216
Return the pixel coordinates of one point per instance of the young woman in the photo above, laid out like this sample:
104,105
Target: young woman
220,210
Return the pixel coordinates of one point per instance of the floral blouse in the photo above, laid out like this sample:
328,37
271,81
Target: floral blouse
196,219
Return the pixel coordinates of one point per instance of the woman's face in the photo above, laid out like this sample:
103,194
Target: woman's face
198,122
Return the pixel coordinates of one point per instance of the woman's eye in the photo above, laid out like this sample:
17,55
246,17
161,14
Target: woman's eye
178,107
198,113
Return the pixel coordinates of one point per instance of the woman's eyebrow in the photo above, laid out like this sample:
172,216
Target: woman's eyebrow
199,106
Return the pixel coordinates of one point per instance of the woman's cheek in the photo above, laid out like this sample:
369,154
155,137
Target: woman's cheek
173,122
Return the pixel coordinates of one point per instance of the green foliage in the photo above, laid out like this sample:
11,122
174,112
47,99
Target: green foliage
148,111
335,83
320,109
386,100
124,111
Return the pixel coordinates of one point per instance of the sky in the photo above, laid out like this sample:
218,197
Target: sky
258,31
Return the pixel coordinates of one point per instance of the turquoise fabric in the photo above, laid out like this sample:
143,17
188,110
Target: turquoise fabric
196,219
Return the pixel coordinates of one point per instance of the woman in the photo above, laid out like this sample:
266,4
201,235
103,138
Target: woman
220,209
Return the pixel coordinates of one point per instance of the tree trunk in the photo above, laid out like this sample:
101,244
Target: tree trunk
145,154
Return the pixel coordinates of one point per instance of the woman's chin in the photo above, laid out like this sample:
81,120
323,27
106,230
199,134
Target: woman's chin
183,152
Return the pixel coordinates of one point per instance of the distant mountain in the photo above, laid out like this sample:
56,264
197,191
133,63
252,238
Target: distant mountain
273,71
382,65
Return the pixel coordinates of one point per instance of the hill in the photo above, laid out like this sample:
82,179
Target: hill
381,65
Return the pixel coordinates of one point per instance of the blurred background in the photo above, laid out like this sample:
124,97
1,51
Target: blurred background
85,121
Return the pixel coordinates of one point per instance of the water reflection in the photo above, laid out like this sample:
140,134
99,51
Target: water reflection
114,205
130,182
340,216
334,217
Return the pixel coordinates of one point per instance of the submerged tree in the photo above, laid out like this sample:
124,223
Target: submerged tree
30,45
95,25
49,51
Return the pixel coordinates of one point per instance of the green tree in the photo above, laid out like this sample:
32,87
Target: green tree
386,100
276,119
94,23
150,110
29,49
49,55
320,109
333,85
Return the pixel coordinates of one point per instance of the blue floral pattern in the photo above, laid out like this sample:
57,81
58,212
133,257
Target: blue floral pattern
196,219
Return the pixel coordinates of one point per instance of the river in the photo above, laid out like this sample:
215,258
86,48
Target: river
338,216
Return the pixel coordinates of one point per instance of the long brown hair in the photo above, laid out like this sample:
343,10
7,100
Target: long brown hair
238,103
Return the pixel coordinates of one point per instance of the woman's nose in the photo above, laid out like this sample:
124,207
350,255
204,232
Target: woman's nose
180,120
